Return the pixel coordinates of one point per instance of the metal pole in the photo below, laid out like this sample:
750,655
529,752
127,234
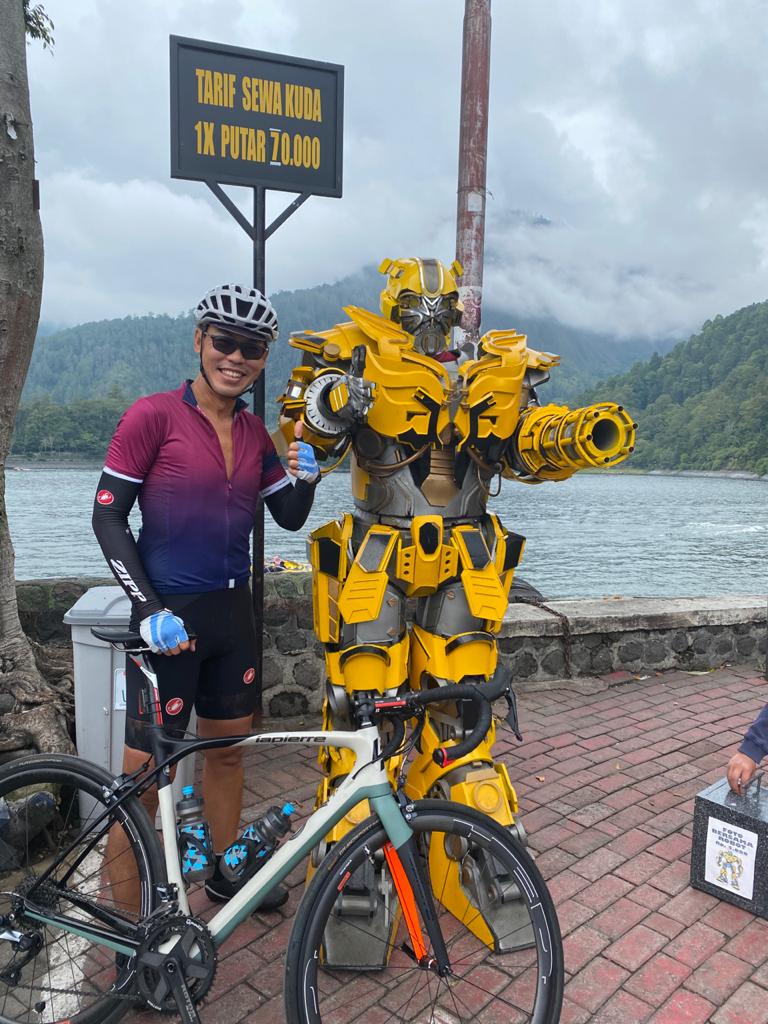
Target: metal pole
473,148
257,581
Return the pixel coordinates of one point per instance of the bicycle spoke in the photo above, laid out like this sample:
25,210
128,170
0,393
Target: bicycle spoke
56,863
479,900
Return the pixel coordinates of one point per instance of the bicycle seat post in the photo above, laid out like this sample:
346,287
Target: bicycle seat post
150,692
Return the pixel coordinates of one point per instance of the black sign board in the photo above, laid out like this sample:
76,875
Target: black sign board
242,117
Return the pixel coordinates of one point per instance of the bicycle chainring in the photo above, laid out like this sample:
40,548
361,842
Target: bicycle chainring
193,956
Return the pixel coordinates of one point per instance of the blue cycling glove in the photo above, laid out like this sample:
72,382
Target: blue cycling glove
308,468
162,631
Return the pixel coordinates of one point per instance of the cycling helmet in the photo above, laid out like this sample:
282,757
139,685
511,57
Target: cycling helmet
244,309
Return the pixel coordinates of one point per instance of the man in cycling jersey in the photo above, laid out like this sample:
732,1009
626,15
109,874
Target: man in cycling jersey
199,462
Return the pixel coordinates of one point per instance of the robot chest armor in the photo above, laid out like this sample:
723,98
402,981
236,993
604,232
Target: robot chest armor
419,401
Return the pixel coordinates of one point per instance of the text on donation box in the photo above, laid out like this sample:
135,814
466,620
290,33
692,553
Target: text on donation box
730,857
243,117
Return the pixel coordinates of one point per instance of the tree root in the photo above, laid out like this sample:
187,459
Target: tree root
41,708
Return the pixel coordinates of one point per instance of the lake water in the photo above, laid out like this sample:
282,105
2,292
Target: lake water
589,536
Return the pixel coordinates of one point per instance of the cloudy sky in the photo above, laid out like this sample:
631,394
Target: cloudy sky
628,161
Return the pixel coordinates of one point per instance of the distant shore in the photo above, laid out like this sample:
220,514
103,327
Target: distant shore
726,474
73,462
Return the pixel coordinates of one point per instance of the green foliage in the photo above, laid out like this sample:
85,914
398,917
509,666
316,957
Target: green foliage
82,366
83,428
704,405
37,24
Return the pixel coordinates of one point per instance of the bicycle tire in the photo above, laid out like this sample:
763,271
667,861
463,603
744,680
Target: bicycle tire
511,986
45,800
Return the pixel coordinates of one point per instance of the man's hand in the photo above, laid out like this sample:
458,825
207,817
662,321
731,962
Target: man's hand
741,770
301,457
164,633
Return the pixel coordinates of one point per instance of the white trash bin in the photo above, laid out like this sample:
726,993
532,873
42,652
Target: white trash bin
100,684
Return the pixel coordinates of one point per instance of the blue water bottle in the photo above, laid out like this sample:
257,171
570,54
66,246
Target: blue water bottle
195,846
256,845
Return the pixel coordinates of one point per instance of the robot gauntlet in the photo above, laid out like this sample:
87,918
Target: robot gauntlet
552,442
334,401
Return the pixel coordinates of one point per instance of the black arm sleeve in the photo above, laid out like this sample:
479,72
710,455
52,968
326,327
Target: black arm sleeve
290,506
110,524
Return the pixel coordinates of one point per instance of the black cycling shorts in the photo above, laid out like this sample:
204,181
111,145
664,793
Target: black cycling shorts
219,679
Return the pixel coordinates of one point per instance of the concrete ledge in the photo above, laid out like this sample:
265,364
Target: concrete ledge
619,614
635,635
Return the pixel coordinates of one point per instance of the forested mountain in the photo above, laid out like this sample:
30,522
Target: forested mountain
94,370
704,405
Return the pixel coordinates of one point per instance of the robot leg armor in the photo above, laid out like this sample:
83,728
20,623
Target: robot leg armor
359,615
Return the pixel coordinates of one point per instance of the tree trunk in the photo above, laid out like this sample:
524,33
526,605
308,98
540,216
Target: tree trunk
34,710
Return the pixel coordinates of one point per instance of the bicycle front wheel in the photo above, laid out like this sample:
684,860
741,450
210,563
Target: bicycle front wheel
350,955
57,862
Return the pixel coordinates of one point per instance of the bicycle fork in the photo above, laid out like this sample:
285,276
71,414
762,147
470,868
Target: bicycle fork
412,885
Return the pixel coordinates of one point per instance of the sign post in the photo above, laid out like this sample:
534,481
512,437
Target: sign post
264,121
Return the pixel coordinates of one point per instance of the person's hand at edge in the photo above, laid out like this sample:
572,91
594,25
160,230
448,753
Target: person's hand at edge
741,770
165,633
301,457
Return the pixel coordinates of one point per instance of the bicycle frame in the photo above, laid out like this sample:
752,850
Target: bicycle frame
368,781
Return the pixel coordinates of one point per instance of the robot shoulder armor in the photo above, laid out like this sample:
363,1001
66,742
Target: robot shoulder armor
330,347
512,343
381,334
541,360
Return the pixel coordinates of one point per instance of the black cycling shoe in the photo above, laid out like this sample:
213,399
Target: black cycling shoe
220,889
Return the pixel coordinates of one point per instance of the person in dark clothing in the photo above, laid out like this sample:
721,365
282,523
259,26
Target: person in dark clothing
199,463
754,747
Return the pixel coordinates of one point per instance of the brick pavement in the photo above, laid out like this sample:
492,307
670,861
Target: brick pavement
606,778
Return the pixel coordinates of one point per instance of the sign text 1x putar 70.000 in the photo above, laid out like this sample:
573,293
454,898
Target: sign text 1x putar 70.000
243,117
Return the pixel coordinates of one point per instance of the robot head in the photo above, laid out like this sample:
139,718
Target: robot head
423,297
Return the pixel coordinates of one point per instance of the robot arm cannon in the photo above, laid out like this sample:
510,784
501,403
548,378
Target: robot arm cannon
552,442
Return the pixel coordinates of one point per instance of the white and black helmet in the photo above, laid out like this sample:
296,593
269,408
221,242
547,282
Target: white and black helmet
244,309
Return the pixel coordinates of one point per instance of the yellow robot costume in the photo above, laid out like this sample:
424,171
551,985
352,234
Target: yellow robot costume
428,428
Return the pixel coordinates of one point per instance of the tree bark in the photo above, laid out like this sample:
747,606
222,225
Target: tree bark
36,716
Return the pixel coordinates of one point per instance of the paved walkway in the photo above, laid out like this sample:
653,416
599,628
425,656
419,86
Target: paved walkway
606,777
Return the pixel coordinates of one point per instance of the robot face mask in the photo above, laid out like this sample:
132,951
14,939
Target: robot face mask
422,295
429,320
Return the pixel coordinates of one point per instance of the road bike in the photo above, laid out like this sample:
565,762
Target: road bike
426,911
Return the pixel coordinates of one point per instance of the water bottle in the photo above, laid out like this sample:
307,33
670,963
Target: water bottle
256,845
195,846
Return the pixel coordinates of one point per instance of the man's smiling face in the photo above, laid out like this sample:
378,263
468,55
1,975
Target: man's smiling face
229,373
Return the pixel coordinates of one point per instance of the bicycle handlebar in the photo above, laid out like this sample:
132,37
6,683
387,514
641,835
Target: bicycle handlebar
481,695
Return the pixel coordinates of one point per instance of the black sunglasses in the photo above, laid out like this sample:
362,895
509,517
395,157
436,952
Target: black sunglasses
248,349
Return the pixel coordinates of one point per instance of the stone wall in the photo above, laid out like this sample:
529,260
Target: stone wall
574,637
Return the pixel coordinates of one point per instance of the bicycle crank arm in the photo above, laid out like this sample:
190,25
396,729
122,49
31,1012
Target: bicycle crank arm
180,992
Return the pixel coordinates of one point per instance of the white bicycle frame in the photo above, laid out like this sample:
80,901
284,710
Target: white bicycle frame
369,781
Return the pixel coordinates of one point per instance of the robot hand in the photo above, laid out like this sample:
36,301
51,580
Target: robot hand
351,397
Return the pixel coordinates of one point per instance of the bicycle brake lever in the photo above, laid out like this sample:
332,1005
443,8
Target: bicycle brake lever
511,717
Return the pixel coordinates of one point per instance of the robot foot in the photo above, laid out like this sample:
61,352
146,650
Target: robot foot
359,932
480,882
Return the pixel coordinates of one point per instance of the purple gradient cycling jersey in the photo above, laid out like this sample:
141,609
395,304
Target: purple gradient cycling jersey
196,523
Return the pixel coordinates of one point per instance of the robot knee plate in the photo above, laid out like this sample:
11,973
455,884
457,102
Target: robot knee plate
451,658
487,788
376,667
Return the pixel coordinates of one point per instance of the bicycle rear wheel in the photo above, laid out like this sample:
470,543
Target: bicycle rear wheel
48,973
350,958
